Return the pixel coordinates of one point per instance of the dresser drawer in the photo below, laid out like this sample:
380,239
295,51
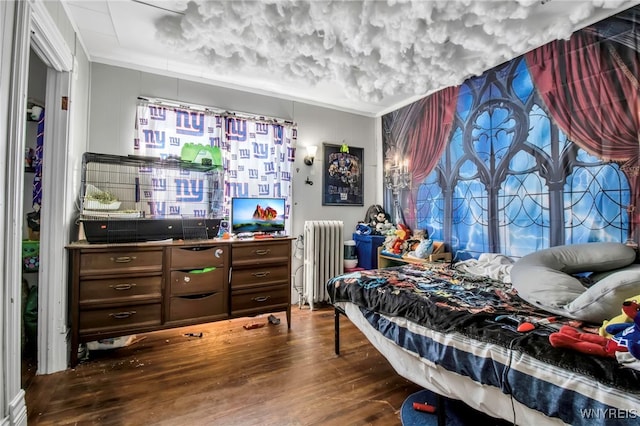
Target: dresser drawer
113,290
261,276
204,282
256,300
108,262
198,257
190,307
115,319
249,254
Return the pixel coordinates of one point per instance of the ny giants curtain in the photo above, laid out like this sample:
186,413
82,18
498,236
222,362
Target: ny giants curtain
259,157
258,154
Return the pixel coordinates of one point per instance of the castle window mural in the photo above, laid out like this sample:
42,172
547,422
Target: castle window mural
539,152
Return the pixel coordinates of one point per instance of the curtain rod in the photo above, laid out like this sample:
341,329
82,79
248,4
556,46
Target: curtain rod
188,105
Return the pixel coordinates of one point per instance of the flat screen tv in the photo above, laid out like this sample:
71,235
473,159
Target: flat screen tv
257,215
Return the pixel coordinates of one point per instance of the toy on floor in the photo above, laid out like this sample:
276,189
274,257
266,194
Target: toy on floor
425,408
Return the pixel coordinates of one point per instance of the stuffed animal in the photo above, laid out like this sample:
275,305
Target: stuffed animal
623,318
625,337
396,245
628,335
424,249
403,232
419,234
384,227
376,218
588,343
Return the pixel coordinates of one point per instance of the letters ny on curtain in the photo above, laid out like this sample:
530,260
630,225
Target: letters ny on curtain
258,153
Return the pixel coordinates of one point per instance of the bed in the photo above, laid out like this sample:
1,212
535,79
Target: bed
455,333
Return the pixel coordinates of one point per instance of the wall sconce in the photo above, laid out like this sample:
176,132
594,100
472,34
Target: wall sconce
311,155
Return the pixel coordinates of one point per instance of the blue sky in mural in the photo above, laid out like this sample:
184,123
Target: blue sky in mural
593,193
594,210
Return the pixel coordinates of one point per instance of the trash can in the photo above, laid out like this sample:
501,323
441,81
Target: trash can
350,257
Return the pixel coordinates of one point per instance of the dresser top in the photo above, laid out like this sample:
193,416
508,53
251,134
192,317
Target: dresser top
84,244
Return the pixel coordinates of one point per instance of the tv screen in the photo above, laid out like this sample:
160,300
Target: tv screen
257,214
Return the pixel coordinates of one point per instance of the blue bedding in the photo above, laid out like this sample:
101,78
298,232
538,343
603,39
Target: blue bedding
481,311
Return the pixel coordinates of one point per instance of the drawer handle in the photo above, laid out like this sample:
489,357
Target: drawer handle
261,298
123,286
262,252
186,279
261,274
197,248
122,315
123,259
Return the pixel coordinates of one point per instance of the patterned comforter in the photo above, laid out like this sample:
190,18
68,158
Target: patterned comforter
446,300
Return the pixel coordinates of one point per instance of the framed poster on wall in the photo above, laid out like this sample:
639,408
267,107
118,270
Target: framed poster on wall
342,176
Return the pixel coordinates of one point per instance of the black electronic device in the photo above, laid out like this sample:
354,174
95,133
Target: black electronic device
143,230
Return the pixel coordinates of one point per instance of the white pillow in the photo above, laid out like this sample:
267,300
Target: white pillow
545,279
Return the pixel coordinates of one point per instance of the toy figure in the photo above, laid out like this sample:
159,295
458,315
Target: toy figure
396,243
377,219
623,318
624,337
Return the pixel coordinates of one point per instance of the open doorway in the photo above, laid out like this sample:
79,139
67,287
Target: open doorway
32,201
29,26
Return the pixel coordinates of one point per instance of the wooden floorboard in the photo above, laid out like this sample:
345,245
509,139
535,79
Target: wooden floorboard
229,376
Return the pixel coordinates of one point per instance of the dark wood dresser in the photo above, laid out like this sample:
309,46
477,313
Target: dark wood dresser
129,288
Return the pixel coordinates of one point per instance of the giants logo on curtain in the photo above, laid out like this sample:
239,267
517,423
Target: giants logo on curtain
238,189
264,190
269,168
277,135
159,184
244,154
262,129
260,151
190,123
236,130
286,176
157,113
189,190
277,191
153,139
157,208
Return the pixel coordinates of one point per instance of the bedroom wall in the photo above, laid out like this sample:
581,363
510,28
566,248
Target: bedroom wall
505,163
113,95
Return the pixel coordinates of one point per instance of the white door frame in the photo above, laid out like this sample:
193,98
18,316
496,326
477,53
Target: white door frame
52,49
27,24
14,408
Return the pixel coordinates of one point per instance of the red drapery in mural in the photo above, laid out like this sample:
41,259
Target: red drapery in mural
428,138
592,95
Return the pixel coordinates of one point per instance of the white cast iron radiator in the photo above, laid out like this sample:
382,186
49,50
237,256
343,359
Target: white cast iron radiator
323,257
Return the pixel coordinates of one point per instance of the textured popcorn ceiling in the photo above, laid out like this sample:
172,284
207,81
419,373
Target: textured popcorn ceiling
365,56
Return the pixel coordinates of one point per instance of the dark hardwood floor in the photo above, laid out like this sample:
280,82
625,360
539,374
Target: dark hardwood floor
229,376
